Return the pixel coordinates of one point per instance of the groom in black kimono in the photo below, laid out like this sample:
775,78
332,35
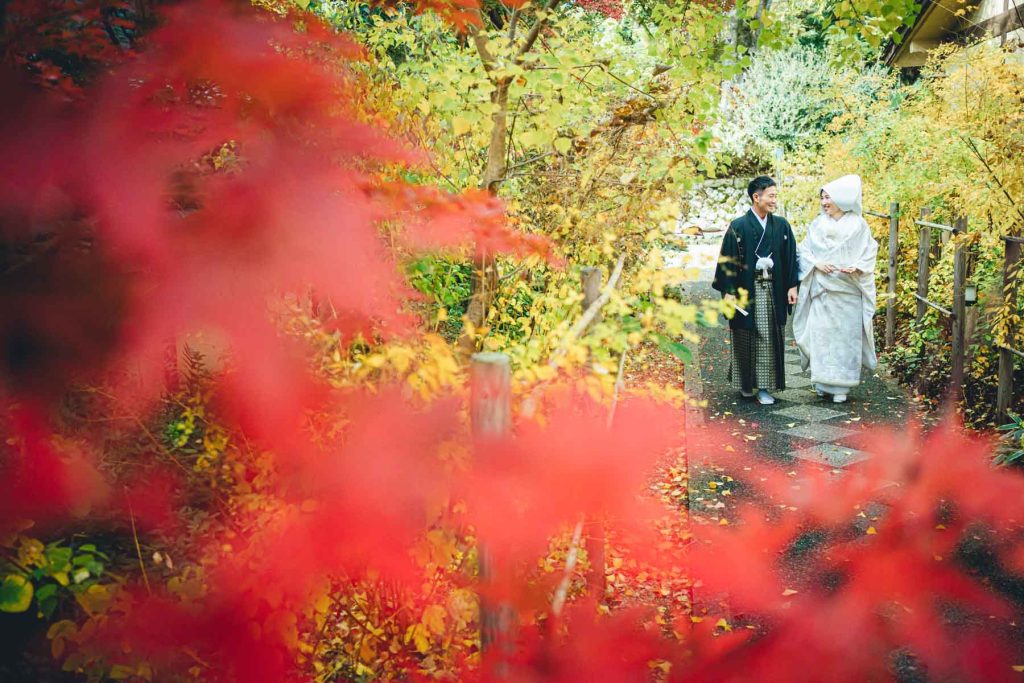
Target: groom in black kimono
759,257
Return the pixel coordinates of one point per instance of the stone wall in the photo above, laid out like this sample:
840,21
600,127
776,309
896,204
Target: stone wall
711,205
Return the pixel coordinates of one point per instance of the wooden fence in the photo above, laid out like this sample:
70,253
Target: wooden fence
961,313
491,418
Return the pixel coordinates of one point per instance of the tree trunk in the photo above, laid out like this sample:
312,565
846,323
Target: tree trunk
496,150
485,271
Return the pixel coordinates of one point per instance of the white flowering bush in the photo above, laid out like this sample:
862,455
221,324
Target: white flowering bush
785,100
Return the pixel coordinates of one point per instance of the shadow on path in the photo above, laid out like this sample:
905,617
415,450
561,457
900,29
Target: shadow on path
800,425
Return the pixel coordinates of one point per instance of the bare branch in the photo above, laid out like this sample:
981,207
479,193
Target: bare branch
480,41
531,160
992,173
570,564
512,25
535,30
588,315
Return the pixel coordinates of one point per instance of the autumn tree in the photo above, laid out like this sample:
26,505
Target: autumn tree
312,507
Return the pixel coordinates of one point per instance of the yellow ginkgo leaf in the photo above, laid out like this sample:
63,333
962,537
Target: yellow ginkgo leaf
460,126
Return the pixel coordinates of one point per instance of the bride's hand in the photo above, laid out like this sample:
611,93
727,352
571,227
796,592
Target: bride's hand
826,268
849,271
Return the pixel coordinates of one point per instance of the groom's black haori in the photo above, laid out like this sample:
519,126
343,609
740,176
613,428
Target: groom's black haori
757,338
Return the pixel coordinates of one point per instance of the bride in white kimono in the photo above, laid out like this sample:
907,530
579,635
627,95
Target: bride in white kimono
832,320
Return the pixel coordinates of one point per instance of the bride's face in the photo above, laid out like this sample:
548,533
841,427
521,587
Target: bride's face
828,207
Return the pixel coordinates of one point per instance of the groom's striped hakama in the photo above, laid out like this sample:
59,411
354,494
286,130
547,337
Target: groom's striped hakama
757,360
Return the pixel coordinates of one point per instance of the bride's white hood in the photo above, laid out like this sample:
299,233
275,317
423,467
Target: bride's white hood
846,193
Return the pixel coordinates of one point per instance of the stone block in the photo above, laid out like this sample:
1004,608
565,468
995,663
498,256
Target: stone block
797,396
830,455
816,431
808,413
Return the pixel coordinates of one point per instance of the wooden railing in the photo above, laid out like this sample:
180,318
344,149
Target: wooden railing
961,319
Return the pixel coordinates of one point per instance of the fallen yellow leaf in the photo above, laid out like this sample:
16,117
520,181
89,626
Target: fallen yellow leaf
789,591
723,624
871,531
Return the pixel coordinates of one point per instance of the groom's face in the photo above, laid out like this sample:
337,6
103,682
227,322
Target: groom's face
767,200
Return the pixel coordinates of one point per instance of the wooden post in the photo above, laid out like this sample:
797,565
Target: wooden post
894,249
959,309
923,247
590,279
490,411
1011,268
490,404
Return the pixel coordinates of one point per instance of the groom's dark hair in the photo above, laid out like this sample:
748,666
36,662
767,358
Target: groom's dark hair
758,185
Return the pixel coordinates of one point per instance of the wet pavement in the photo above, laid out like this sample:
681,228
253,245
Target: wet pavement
800,425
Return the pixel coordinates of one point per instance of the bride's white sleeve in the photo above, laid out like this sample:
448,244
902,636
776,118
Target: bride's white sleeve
864,249
805,256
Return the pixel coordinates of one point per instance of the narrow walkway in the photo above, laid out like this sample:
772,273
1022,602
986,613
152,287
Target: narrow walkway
800,425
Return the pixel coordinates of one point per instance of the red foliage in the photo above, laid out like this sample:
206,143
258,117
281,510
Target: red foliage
613,9
525,490
42,483
220,168
64,44
189,248
890,572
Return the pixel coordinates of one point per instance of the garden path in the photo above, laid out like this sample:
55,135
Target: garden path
800,425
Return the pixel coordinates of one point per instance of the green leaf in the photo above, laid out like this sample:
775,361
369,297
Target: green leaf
120,672
563,145
46,599
47,591
15,593
680,351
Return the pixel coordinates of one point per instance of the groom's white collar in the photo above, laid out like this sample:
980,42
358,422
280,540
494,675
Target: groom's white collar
762,221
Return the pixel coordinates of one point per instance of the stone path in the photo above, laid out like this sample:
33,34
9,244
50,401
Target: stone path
800,425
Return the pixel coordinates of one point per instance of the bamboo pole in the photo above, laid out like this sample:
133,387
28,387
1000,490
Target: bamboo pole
894,248
1011,269
959,306
923,265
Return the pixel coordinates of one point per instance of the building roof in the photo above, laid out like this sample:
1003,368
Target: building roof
937,23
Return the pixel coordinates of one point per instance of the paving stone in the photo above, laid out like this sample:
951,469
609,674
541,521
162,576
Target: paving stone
808,413
798,382
831,455
797,396
819,432
793,369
